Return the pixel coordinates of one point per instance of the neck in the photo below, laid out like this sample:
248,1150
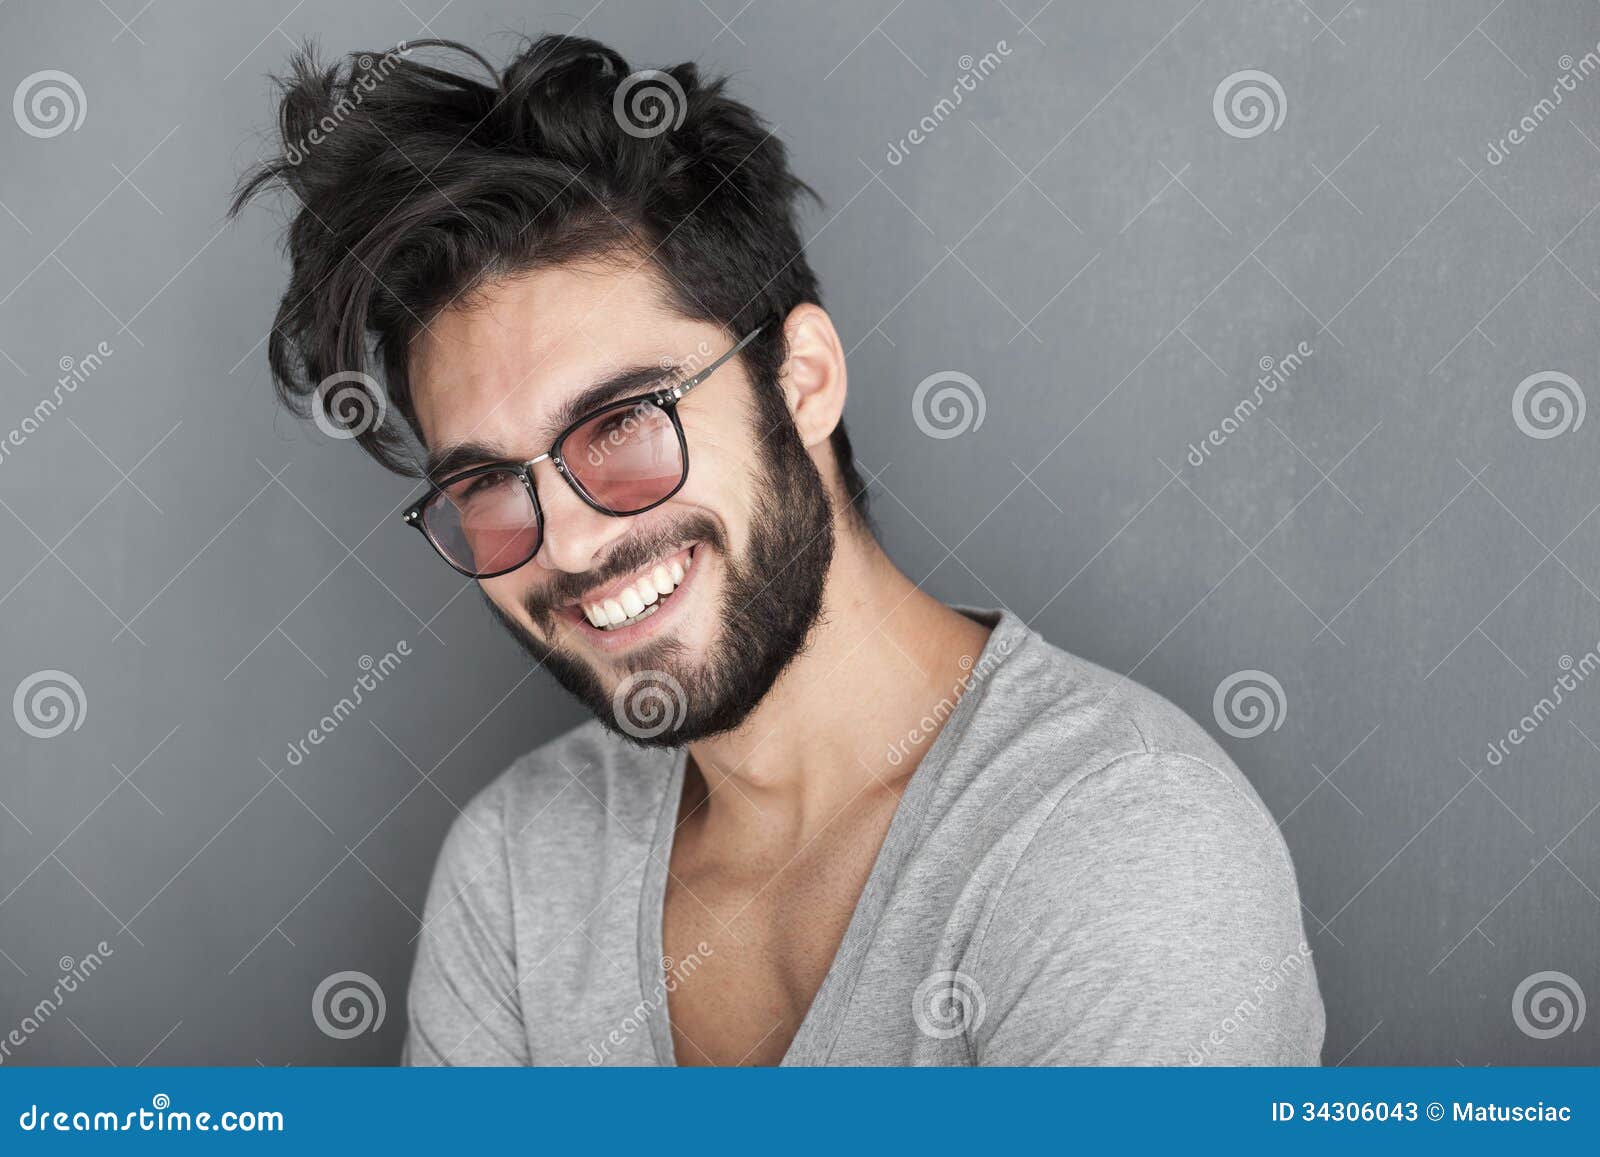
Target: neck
849,714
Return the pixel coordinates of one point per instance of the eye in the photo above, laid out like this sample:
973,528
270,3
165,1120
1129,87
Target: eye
479,485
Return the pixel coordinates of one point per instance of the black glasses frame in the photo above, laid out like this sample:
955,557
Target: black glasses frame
666,399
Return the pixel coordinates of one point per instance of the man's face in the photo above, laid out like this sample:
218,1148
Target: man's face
718,586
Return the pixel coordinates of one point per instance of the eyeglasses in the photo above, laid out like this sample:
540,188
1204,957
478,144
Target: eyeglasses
624,458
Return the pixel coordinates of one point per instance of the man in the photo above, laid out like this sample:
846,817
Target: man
821,818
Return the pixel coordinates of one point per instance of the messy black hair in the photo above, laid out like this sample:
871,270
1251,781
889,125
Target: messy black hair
415,184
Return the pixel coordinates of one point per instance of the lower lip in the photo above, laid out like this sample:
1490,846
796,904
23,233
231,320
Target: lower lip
621,638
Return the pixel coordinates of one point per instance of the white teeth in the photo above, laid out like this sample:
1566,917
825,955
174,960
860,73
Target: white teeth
639,601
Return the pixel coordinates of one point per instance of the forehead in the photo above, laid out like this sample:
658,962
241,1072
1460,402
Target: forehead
489,369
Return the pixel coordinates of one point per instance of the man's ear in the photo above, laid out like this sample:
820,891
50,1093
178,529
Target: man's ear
813,376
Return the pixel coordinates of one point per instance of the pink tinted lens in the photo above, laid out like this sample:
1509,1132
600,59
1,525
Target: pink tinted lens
485,523
626,459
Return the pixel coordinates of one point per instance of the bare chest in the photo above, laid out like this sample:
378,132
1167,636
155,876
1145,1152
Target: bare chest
761,941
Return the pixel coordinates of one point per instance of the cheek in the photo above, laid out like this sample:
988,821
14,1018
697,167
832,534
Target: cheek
509,593
722,467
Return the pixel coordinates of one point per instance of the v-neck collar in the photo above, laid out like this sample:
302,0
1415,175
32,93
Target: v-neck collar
819,1028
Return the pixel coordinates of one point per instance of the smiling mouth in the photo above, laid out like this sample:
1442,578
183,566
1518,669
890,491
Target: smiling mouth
632,601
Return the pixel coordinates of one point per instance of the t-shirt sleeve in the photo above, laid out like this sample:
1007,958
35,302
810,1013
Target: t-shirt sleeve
1152,919
463,1005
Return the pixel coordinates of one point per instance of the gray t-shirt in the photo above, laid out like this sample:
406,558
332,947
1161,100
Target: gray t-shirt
1076,874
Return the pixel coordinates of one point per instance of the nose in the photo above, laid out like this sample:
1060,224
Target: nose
575,534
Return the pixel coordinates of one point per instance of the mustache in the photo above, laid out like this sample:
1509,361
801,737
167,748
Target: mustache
626,557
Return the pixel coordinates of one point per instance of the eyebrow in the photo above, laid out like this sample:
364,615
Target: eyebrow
458,456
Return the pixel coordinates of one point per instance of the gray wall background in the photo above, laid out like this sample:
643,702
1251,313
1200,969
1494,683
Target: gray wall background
1084,239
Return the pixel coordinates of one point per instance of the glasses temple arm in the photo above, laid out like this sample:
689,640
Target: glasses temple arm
684,387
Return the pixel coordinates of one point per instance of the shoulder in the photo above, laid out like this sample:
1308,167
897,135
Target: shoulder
1146,861
552,803
1125,777
1088,739
1086,715
523,858
1171,821
1159,892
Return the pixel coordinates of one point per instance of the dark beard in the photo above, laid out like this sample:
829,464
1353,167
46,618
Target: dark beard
772,598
